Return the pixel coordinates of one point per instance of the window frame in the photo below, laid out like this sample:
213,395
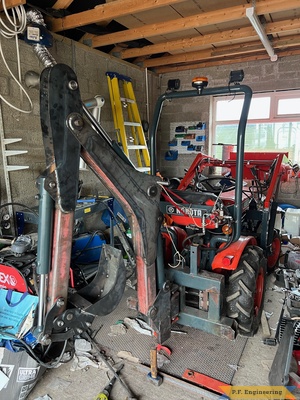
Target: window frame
274,117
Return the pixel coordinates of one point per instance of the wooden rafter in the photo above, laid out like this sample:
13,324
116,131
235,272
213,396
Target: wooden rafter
106,12
215,63
12,3
62,4
187,44
196,21
228,51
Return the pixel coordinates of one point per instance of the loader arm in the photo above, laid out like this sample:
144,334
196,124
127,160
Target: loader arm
69,132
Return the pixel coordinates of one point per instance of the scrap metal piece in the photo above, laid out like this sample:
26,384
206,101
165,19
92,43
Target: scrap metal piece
279,373
204,381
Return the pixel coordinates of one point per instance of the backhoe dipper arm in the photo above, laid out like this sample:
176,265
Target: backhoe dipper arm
138,193
59,95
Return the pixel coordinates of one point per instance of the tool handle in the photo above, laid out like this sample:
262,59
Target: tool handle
102,396
153,363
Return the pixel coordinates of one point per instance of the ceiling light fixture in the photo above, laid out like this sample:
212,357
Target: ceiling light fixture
253,18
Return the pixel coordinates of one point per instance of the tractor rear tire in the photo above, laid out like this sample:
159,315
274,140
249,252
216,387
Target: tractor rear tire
246,289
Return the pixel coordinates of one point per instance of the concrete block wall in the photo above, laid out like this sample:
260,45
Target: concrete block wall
90,66
260,75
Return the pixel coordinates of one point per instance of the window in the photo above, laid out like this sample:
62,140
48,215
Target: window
273,123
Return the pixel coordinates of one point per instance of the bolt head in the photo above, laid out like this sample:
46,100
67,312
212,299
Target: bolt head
78,122
60,303
73,85
152,312
45,340
70,316
52,185
152,191
75,122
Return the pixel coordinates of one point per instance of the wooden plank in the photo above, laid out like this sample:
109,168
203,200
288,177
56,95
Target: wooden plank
266,333
289,25
193,56
185,44
62,4
190,43
105,12
227,51
12,3
195,21
215,63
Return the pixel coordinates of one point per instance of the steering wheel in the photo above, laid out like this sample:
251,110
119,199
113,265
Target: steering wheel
215,184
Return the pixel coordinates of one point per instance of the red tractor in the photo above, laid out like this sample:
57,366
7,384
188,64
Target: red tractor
206,234
219,236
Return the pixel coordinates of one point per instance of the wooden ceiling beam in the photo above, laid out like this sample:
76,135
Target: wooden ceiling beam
227,51
195,21
215,63
190,43
214,38
12,3
201,55
105,12
62,4
206,64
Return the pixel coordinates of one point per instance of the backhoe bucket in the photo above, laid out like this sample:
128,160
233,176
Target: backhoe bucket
107,288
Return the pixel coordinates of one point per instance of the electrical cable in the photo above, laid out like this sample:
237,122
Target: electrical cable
17,25
35,357
93,235
20,205
177,253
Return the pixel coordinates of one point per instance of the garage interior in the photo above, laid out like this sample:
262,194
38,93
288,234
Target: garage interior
150,223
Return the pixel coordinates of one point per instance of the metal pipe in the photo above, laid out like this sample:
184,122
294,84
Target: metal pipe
45,223
42,302
147,95
230,90
213,244
160,267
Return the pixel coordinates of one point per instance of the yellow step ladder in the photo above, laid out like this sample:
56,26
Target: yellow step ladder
127,121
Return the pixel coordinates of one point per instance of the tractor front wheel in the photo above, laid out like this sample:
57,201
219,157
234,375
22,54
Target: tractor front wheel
245,290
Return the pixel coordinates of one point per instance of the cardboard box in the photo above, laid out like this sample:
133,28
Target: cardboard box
295,240
19,373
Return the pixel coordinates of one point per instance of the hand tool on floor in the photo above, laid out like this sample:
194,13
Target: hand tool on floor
104,395
153,376
103,358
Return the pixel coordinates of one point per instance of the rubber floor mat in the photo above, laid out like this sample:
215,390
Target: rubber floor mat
195,349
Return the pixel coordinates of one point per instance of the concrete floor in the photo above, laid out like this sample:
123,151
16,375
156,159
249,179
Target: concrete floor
253,369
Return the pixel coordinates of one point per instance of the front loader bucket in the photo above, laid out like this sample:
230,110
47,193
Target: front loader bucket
106,289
